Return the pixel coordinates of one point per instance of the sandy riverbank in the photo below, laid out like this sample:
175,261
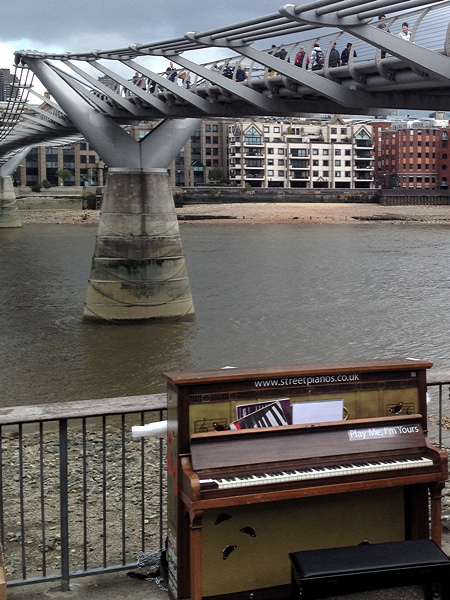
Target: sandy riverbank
310,213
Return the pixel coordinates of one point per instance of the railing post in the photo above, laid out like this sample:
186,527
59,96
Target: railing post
64,505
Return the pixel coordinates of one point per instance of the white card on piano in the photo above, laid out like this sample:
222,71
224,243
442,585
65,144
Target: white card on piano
317,412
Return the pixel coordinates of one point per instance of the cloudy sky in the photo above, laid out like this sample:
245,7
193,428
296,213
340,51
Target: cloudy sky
85,25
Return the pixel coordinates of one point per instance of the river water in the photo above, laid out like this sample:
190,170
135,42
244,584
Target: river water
263,294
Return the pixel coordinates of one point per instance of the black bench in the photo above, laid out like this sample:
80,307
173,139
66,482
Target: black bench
338,571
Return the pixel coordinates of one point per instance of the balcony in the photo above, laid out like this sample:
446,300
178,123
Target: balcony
254,175
300,175
366,154
363,167
253,164
299,164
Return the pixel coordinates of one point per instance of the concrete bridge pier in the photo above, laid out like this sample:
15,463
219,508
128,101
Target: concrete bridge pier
9,213
138,269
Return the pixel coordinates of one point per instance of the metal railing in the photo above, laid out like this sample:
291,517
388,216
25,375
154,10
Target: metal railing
79,496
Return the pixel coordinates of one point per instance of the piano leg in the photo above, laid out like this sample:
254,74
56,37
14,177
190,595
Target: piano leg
195,537
435,512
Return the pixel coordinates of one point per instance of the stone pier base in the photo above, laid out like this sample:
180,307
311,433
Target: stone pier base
138,269
9,213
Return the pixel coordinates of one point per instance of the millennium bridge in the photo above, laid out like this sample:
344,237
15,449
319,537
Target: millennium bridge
138,269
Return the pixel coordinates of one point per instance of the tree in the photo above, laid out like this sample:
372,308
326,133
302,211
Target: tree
63,174
218,175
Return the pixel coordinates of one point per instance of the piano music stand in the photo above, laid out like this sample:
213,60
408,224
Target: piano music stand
338,571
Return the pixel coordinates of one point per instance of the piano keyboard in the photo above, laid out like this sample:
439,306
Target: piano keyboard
282,476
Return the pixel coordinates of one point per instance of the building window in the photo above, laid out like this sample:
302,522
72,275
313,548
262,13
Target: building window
343,131
266,129
337,152
315,173
326,173
333,130
348,173
276,130
252,137
315,151
326,163
315,163
207,127
281,162
325,152
281,151
337,174
270,173
280,173
270,162
337,163
270,151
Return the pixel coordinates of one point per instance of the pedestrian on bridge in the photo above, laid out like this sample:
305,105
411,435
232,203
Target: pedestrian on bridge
345,56
405,34
334,59
241,75
317,58
171,72
300,57
382,25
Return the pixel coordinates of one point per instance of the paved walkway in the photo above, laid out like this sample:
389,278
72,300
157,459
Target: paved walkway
119,586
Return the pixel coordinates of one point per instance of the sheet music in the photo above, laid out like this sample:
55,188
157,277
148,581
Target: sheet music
317,412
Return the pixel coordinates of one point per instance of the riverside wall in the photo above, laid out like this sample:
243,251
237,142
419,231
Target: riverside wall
224,195
91,197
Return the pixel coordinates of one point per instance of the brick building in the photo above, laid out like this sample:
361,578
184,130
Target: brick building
411,154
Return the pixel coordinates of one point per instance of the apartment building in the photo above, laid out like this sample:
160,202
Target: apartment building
6,81
412,154
206,149
300,153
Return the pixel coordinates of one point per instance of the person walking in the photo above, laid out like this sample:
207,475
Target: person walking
300,57
317,58
382,25
334,59
405,34
345,56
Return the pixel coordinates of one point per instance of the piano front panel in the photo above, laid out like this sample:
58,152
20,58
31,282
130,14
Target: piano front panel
289,526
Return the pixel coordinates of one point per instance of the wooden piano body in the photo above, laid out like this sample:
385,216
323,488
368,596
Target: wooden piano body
240,501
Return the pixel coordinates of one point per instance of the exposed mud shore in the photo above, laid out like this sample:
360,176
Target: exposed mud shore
314,214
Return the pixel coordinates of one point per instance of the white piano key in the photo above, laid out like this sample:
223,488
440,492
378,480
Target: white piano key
319,472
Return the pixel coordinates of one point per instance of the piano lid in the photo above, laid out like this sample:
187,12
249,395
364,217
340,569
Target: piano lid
244,448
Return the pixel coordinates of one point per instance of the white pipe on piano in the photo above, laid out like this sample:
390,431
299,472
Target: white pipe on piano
158,429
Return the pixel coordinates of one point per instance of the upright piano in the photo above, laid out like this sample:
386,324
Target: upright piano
240,500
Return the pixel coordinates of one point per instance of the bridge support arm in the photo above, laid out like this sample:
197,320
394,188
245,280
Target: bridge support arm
110,141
